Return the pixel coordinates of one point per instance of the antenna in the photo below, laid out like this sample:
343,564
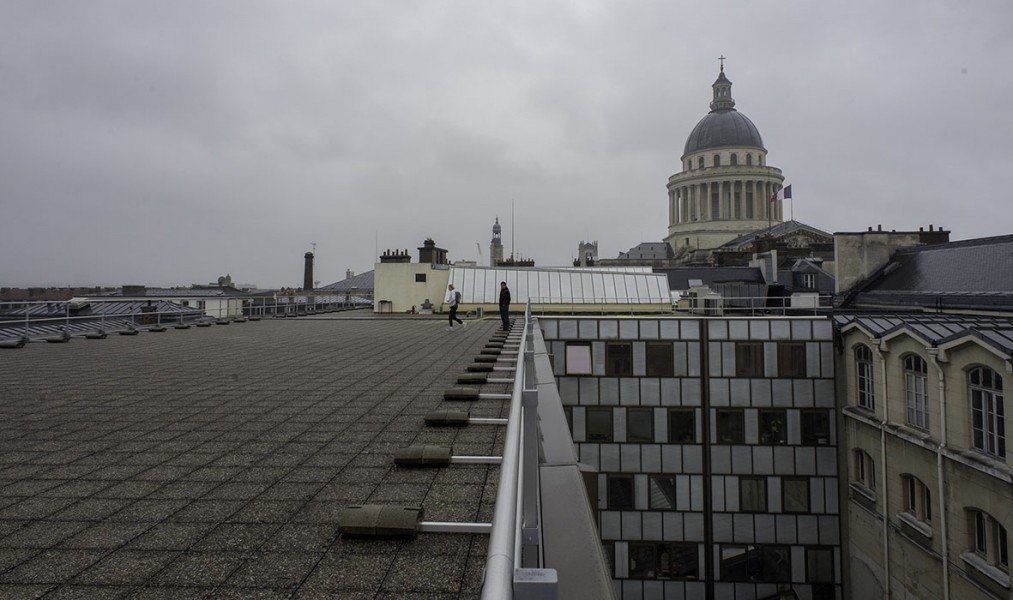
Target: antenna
512,230
479,246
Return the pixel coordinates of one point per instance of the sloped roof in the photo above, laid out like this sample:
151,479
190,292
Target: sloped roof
648,250
778,230
360,282
936,329
679,277
968,274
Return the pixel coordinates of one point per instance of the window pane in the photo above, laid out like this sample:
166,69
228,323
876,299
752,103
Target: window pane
620,490
640,425
678,561
660,359
819,565
578,359
619,359
599,424
662,490
795,494
753,494
772,430
730,426
642,561
749,359
815,427
734,563
776,563
791,359
682,426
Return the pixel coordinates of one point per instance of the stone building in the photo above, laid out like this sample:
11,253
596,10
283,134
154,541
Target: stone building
726,188
922,371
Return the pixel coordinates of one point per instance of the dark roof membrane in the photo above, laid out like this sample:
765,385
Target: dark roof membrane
722,128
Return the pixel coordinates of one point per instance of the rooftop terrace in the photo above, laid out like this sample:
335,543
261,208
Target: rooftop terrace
216,462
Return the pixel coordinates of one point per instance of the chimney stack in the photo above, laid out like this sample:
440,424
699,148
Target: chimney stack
307,278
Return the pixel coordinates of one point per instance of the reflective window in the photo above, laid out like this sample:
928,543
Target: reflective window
791,359
772,426
660,357
598,424
916,391
620,491
988,421
682,425
662,490
749,359
753,494
815,427
730,426
619,359
795,494
640,425
865,383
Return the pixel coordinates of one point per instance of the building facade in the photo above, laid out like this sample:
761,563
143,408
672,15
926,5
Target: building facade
725,188
716,449
929,483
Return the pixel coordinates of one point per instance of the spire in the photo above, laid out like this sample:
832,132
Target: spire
496,229
722,90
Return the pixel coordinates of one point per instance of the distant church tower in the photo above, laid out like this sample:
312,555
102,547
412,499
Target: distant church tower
496,247
725,185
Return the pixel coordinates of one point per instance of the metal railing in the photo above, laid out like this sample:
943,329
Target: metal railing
33,319
515,542
689,305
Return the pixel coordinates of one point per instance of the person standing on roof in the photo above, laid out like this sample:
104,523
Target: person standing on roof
453,299
504,305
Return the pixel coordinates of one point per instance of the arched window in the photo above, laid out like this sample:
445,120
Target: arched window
865,382
717,160
916,378
700,162
917,499
988,421
865,469
734,159
987,540
749,159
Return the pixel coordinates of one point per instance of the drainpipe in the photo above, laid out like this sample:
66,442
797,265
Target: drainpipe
885,478
934,357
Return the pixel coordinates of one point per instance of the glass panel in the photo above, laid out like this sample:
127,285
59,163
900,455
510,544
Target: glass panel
640,425
544,295
682,426
578,359
620,490
772,426
662,490
566,289
795,494
599,424
610,288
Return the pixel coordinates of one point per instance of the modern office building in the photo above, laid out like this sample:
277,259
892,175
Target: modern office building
715,444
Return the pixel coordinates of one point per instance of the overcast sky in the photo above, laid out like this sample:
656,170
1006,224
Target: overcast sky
171,142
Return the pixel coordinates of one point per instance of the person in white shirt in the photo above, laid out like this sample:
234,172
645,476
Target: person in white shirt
453,298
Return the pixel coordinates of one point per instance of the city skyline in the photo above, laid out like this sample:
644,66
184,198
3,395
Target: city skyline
169,144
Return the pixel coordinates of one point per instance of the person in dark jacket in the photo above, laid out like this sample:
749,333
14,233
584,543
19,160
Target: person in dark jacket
504,304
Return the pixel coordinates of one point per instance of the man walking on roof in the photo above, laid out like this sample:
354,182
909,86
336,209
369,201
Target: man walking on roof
453,299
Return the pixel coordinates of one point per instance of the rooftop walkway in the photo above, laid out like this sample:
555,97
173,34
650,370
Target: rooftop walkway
216,462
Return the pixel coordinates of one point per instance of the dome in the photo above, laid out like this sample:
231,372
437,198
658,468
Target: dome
724,127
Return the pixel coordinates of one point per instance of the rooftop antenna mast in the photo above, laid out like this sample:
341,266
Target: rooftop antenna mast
512,230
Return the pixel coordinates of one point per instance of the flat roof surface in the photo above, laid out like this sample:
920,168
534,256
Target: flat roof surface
216,462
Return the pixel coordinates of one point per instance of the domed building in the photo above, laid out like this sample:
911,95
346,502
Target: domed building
725,188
